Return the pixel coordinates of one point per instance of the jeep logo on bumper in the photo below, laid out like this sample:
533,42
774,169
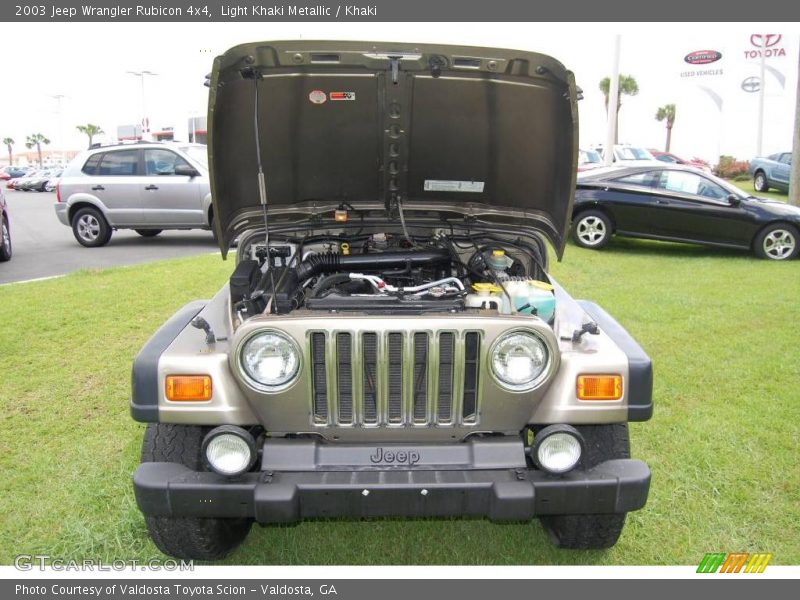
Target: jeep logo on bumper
382,456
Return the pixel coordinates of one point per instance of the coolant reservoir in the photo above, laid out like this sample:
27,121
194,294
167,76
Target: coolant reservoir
486,296
498,261
532,297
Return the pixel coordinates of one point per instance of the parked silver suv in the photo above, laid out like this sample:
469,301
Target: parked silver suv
144,186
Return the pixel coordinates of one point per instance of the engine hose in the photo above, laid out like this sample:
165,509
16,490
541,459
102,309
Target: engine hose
329,281
329,262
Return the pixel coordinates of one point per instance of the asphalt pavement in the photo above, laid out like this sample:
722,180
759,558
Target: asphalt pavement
43,247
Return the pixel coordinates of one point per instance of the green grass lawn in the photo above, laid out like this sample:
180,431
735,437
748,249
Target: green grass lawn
720,326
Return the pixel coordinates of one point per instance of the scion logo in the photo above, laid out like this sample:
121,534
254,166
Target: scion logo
735,562
751,84
410,457
702,57
766,43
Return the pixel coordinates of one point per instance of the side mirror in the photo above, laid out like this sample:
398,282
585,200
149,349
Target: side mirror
734,200
186,170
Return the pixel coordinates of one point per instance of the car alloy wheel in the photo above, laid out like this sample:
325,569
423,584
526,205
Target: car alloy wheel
591,230
760,183
779,244
88,228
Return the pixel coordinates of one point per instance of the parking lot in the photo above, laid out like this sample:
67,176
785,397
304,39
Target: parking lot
43,247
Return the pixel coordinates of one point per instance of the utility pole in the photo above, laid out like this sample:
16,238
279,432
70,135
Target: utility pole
794,177
613,100
145,121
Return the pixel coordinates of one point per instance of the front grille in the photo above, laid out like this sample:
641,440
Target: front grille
412,379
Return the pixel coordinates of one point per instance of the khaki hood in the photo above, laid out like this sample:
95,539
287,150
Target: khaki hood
368,124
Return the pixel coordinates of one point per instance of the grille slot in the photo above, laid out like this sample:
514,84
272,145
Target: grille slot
319,377
394,369
471,370
420,383
446,360
411,379
344,376
369,361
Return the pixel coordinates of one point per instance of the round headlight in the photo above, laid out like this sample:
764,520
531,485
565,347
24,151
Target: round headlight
229,450
520,360
557,448
270,360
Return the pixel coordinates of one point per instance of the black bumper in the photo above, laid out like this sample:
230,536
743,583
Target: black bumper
170,489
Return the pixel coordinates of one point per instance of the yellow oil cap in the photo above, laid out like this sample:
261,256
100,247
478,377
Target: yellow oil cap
542,285
498,252
486,288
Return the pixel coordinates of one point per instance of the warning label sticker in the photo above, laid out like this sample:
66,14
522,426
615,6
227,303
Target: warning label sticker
339,96
317,96
447,185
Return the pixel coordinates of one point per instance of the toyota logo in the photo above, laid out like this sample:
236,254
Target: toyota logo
751,84
766,40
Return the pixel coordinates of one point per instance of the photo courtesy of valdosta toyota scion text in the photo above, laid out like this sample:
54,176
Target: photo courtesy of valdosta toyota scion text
307,285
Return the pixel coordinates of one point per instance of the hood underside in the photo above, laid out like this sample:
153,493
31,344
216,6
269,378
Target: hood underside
408,126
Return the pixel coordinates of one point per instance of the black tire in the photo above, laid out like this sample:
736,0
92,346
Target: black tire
148,232
779,241
592,229
90,227
582,532
191,538
760,183
5,241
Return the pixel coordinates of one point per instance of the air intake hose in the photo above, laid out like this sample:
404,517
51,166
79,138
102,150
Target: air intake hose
330,262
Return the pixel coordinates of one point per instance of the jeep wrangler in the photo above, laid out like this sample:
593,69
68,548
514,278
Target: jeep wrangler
390,343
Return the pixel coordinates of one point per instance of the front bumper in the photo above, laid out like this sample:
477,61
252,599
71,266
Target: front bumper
171,489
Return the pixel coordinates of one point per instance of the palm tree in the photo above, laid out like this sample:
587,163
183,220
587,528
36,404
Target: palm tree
91,131
667,113
9,142
37,139
627,87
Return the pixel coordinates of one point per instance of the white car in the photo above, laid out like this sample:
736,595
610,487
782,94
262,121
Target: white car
628,154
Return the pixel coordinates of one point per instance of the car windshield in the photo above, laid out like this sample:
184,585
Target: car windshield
589,156
198,153
631,153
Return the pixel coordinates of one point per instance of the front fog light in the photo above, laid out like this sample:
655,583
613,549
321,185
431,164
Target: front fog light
557,448
229,450
269,360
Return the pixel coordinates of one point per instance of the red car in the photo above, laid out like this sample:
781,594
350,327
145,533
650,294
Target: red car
669,157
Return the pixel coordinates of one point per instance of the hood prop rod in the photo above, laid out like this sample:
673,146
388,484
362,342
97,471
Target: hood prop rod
262,183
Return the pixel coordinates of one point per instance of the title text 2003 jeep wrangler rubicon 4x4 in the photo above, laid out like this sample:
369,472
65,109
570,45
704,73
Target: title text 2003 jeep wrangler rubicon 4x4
389,343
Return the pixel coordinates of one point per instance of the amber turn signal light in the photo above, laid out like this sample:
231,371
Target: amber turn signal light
599,387
188,388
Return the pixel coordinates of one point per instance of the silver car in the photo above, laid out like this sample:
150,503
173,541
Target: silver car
147,187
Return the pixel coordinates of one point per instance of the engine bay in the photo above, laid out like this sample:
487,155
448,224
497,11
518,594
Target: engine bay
391,273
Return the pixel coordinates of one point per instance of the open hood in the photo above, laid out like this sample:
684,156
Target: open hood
375,124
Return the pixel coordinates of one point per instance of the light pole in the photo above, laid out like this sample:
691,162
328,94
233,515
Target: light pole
145,121
58,98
